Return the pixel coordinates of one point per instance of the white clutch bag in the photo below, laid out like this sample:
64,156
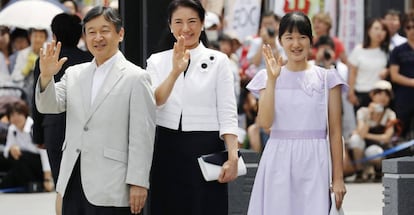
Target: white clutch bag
333,210
211,164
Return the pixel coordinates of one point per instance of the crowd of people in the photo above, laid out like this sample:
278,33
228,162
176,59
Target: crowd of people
86,117
378,64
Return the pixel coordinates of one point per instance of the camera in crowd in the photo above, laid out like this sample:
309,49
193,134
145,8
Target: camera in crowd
326,55
271,32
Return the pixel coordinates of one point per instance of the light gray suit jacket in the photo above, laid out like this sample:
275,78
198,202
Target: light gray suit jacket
114,135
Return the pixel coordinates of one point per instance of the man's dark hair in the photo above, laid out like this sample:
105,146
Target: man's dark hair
44,31
19,33
392,12
67,29
110,15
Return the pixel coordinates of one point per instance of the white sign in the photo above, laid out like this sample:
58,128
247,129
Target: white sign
242,18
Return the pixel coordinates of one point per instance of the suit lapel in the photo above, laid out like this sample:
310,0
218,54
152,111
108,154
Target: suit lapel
111,79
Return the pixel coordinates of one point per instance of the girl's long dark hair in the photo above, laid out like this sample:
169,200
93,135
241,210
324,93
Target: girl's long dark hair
385,44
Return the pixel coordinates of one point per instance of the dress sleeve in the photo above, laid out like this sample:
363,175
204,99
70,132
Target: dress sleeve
335,79
257,83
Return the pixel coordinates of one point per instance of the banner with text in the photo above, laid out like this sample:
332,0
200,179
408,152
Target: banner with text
242,17
351,23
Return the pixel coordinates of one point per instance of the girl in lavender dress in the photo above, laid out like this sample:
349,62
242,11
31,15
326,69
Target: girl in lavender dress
292,178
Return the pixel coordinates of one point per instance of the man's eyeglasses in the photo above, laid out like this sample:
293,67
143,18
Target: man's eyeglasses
409,27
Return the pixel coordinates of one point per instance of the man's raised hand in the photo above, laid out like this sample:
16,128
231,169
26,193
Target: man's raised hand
50,64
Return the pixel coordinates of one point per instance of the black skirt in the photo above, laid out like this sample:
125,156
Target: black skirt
177,185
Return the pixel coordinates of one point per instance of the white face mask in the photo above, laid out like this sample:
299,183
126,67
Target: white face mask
212,35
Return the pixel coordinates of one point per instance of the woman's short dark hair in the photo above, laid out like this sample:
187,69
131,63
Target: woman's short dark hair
367,40
168,39
19,106
296,21
67,29
110,15
409,17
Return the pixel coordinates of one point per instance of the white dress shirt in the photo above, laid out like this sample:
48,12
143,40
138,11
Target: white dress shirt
100,74
397,40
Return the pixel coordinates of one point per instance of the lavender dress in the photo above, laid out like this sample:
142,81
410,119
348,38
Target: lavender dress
292,178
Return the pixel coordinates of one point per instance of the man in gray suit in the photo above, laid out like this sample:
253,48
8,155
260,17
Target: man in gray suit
110,124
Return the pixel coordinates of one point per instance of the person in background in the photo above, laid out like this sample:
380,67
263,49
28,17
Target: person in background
215,6
72,6
29,164
196,115
110,121
402,76
5,45
268,34
375,129
226,46
19,41
22,75
4,71
49,129
368,63
212,24
392,19
325,58
322,24
293,174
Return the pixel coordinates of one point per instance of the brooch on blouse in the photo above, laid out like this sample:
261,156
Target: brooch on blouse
205,63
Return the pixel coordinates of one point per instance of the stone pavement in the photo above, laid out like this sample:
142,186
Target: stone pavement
362,199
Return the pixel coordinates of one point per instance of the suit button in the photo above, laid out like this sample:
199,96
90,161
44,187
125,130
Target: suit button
85,128
78,150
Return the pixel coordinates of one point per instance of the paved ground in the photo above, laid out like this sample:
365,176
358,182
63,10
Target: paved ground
362,199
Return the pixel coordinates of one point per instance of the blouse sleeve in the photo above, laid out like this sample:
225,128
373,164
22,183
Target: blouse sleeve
335,79
354,56
153,71
10,140
257,83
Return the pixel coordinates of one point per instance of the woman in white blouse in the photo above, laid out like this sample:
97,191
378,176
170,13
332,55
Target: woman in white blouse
368,62
28,162
196,115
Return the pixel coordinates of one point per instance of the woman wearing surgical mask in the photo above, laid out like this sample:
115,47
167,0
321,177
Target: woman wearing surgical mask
212,26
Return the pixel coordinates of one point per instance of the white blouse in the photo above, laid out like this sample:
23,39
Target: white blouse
23,139
204,97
